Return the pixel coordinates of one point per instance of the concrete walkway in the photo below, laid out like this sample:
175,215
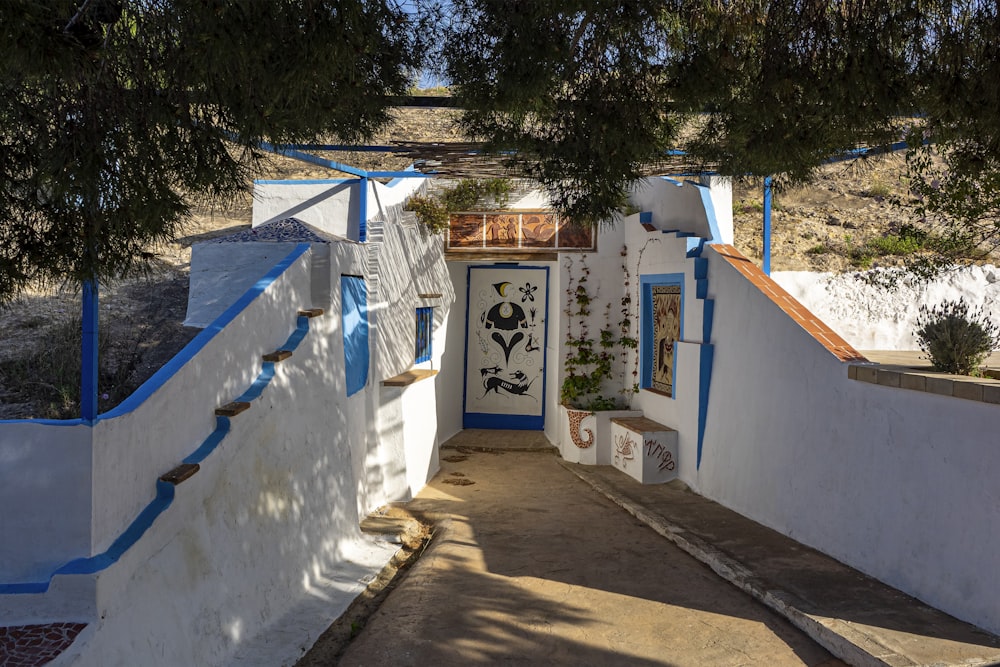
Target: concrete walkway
531,566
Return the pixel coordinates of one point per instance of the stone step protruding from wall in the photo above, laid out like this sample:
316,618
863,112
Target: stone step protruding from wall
277,356
310,312
181,473
232,409
644,449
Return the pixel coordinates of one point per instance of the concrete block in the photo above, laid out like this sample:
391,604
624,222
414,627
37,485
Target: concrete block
913,381
940,385
644,449
972,391
888,378
867,374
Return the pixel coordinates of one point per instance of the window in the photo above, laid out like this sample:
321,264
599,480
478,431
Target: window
425,321
662,320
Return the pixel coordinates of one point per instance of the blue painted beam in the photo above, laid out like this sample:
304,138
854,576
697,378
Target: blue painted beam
346,148
397,174
767,226
312,159
88,359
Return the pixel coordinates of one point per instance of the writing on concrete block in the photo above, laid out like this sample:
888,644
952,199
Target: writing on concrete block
663,456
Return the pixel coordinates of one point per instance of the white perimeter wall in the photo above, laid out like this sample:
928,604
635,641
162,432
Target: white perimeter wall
899,484
874,318
57,490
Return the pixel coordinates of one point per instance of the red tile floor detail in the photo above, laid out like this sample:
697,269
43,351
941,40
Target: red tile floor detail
34,645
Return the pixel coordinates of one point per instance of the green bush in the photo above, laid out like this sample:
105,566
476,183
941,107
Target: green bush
908,240
431,212
956,339
434,213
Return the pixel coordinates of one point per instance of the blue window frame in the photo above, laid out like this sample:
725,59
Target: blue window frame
425,322
354,311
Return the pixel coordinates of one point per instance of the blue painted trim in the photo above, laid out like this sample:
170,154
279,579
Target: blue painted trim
164,490
312,159
208,445
164,497
397,174
646,283
709,205
767,226
512,422
708,320
363,210
465,357
91,564
396,181
700,268
188,352
88,351
646,217
48,422
310,181
160,378
695,246
355,332
366,148
863,152
707,353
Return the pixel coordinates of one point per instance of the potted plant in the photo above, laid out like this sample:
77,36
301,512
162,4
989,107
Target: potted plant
593,389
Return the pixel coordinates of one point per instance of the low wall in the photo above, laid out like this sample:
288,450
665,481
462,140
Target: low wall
45,495
898,484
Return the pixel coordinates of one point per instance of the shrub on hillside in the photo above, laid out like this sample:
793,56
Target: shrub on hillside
956,338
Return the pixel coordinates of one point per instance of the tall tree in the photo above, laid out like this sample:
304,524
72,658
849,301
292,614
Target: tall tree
113,113
954,155
590,91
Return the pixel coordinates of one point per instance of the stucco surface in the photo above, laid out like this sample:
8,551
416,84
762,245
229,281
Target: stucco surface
898,484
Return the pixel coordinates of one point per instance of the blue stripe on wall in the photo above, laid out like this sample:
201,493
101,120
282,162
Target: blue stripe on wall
354,314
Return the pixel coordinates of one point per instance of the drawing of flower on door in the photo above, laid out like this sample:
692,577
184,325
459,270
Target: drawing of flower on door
505,347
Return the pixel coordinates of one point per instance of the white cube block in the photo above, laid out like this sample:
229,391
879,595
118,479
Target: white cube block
644,449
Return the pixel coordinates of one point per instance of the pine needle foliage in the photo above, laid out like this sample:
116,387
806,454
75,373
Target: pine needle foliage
115,113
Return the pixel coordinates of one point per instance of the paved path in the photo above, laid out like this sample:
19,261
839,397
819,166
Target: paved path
532,567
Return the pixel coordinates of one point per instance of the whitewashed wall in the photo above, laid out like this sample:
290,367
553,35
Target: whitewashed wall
45,495
409,263
138,446
271,520
899,484
268,519
667,254
875,318
330,205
